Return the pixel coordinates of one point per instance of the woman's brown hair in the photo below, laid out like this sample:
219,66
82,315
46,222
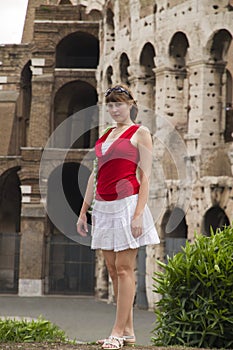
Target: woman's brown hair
121,93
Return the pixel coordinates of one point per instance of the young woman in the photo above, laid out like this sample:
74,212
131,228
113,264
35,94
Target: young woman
121,219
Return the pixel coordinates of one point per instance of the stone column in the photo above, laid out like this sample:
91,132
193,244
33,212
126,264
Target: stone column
172,96
31,271
144,93
206,102
40,117
31,279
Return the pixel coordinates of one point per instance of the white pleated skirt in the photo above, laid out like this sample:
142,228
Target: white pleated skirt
111,225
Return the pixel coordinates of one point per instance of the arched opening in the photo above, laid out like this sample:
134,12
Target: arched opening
215,217
65,2
177,51
26,89
76,101
177,94
229,97
124,64
147,78
220,83
109,75
110,31
147,60
70,265
78,50
175,232
219,45
23,108
10,211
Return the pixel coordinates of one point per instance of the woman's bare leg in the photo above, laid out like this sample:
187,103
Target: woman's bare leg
119,265
125,264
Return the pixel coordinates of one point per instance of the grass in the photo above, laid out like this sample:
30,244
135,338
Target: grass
22,330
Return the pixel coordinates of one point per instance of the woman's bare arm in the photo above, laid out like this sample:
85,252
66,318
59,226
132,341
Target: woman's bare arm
144,144
82,220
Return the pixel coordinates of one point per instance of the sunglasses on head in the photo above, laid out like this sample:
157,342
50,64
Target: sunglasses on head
117,89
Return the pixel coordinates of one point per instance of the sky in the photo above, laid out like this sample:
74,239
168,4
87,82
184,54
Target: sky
12,15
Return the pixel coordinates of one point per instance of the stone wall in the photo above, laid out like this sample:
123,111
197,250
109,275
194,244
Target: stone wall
177,58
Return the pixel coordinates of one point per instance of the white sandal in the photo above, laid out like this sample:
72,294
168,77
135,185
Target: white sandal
113,343
129,340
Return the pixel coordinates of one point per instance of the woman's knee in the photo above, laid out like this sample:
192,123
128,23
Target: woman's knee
125,263
111,270
123,269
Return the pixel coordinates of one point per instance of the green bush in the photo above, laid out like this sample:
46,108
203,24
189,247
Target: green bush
196,288
30,331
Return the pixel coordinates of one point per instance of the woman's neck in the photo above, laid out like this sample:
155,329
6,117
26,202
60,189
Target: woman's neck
124,125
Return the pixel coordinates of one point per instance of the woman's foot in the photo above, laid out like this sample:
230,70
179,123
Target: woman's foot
113,343
129,340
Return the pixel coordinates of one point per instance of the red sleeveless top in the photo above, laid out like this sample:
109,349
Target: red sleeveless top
116,177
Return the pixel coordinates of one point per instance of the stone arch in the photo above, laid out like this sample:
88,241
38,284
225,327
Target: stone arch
218,45
70,266
73,97
214,217
10,201
109,74
78,50
147,78
217,50
124,64
94,15
64,2
109,31
10,211
177,94
229,108
23,107
146,59
178,49
174,236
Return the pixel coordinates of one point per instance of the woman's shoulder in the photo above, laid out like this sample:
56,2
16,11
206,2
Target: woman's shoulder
143,131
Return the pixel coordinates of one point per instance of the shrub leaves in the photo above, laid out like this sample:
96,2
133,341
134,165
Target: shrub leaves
196,288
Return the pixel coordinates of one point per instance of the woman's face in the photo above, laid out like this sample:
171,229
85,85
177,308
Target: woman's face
119,111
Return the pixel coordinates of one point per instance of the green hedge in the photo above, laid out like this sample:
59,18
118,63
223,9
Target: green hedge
30,331
196,288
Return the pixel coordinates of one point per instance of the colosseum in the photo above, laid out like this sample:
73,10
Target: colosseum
177,58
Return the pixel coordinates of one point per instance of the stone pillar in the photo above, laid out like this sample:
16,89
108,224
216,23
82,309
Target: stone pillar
31,270
172,96
144,94
154,253
31,279
40,117
8,101
206,102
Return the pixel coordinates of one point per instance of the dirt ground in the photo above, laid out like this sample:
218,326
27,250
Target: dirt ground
59,346
62,346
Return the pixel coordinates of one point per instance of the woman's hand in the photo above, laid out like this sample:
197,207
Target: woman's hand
82,225
136,226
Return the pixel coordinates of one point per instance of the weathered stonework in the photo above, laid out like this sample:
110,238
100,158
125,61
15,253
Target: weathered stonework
176,55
